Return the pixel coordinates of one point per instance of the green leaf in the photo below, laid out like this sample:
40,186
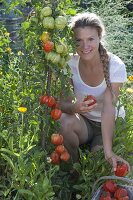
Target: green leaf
25,25
8,160
23,191
9,152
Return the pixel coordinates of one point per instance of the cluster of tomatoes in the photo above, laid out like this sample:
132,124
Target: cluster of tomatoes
54,52
111,191
60,153
51,102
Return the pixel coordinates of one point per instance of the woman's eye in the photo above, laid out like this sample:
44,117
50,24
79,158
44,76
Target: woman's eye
91,39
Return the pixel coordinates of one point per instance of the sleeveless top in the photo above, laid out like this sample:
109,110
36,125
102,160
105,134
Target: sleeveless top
118,74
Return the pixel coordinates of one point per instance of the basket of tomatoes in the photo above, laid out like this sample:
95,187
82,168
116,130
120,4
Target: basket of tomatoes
112,187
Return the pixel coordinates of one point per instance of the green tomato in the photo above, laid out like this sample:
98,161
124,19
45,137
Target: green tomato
59,48
65,51
62,62
48,22
56,58
60,22
46,11
53,57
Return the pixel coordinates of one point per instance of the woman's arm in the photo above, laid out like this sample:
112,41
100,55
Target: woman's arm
108,123
70,105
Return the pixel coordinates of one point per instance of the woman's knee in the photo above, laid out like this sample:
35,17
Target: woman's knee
67,121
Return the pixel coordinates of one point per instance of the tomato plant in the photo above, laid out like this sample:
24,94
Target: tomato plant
56,139
90,97
121,169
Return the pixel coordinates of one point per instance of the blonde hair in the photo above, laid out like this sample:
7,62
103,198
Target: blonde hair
91,19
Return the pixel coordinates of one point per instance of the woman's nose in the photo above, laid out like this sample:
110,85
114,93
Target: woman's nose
86,44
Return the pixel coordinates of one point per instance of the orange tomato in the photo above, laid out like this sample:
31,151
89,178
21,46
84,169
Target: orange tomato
60,149
55,158
48,46
65,156
57,139
56,113
120,192
121,169
44,99
51,101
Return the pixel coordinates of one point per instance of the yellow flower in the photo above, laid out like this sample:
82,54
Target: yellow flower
6,34
130,78
8,50
22,109
20,53
129,90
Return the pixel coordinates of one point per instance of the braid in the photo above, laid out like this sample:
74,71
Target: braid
105,61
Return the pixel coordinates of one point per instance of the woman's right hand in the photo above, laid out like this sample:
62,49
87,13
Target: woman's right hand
82,107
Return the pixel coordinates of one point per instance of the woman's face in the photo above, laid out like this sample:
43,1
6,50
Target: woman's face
87,42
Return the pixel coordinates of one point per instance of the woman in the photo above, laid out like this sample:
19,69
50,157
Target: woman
94,72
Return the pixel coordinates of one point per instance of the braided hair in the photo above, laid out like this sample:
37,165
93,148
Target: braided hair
92,20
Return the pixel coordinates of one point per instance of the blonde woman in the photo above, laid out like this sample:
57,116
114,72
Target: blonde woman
98,73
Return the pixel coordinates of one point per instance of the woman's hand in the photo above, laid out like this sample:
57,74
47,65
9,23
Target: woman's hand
82,107
113,159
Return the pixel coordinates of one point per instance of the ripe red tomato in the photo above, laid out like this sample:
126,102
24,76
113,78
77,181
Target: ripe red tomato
90,97
121,169
60,149
120,192
105,195
48,46
124,198
55,158
65,156
57,139
56,113
110,186
44,99
51,101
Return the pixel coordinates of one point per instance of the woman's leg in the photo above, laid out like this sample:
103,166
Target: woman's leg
75,133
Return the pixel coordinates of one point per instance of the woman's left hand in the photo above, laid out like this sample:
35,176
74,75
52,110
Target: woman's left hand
113,159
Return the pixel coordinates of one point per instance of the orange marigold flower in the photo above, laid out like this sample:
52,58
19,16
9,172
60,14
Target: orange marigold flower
130,78
22,109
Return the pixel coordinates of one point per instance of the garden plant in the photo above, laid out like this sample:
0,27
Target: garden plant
31,79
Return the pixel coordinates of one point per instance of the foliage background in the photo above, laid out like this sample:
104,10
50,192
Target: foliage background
25,172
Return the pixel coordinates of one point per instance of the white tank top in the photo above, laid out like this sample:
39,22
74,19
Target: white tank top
117,74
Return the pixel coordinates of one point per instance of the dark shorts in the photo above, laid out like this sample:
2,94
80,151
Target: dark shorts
94,132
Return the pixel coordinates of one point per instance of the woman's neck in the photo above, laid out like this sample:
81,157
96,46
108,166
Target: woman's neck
92,64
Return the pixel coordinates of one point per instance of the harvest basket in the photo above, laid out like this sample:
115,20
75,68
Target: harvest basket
127,184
